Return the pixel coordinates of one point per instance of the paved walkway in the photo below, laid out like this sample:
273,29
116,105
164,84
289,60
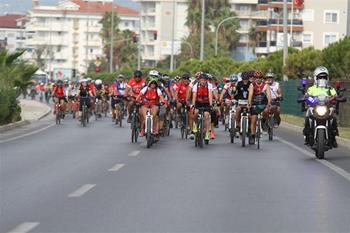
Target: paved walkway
33,110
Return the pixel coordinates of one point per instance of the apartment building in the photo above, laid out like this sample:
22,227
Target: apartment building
325,22
69,33
12,32
156,27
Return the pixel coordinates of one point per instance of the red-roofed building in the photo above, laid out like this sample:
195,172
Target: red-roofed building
70,31
11,32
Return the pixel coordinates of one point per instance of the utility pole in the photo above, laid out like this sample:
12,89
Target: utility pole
172,40
111,49
202,31
139,46
285,34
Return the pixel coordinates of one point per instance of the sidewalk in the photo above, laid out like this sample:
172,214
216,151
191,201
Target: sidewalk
31,111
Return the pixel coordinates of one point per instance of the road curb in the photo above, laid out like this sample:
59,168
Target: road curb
14,125
342,141
21,123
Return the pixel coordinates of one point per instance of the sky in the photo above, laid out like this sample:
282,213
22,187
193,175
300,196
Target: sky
25,5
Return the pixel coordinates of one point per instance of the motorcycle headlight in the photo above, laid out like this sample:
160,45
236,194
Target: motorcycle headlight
321,110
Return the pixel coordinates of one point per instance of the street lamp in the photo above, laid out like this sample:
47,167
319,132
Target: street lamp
223,21
202,31
111,52
172,40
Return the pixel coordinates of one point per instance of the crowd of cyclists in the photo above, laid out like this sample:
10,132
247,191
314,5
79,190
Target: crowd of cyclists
166,98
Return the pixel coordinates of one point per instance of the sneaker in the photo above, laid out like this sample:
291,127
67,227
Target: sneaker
212,135
252,139
194,128
142,133
192,136
207,136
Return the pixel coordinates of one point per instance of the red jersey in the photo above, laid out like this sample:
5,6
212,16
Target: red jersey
92,88
151,96
135,86
106,89
59,91
202,93
259,89
181,91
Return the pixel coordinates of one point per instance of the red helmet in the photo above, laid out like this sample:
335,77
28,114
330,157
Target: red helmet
258,74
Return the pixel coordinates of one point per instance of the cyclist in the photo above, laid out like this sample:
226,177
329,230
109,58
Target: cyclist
164,86
276,95
321,87
181,91
58,91
202,98
242,93
98,97
133,89
151,97
228,94
259,100
84,93
215,113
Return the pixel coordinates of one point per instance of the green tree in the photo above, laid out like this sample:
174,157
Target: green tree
336,58
303,63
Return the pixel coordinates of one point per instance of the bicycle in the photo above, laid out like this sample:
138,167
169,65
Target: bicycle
232,122
271,121
105,106
85,112
119,106
135,123
184,121
97,108
199,137
258,132
244,123
149,128
58,112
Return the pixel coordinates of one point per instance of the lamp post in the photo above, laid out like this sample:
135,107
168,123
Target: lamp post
202,31
172,40
111,48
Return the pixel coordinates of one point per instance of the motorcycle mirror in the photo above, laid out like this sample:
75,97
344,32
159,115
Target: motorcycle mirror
304,82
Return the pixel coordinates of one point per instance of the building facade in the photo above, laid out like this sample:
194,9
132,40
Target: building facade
68,34
12,32
156,27
325,22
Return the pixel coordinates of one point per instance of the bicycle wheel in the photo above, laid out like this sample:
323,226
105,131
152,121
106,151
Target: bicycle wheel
186,125
244,131
148,133
258,133
271,125
200,135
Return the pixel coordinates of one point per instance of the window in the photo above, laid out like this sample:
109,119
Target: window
308,15
243,8
244,24
308,37
330,37
126,24
91,50
331,17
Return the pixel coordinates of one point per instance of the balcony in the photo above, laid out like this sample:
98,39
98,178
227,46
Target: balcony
277,25
265,4
261,47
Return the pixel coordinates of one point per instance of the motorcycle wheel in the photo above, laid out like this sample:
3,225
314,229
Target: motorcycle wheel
320,144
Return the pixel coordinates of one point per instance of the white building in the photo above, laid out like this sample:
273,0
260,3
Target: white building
12,32
156,27
69,33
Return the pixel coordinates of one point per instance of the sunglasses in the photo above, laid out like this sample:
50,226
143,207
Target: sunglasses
321,77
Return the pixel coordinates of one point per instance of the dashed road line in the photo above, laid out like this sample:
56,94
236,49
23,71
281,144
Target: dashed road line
134,153
82,190
331,166
116,167
24,227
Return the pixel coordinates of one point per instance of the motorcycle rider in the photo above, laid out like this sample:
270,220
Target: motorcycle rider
321,87
276,95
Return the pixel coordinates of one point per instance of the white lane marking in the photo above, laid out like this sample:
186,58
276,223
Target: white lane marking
134,153
82,190
25,227
116,167
27,134
331,166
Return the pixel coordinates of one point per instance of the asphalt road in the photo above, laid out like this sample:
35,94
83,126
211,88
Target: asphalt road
71,179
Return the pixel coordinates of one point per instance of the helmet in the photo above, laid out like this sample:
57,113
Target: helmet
138,73
153,73
98,82
165,77
88,80
226,79
204,76
270,75
185,76
245,75
233,78
60,82
198,74
152,80
120,76
321,76
258,75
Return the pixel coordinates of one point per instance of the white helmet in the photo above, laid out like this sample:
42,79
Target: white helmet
321,71
153,73
98,82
